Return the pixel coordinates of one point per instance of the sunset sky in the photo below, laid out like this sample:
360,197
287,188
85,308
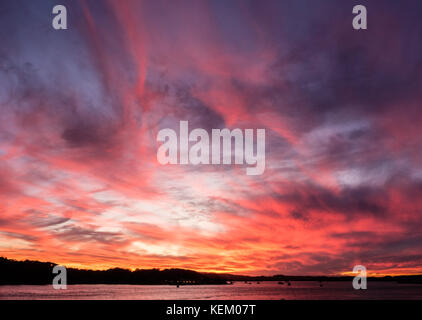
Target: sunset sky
80,110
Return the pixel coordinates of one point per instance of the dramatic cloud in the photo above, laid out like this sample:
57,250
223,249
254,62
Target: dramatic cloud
81,108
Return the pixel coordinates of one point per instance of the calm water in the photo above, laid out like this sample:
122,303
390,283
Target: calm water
237,291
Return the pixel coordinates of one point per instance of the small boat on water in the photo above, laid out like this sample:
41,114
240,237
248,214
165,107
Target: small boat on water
288,283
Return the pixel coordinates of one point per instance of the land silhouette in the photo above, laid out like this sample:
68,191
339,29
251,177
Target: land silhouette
13,272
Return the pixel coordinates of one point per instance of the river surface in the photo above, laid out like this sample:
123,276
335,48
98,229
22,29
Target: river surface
300,290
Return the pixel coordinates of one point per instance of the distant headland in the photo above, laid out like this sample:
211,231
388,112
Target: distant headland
13,272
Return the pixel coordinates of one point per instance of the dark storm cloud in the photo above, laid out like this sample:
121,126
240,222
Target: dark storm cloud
326,69
83,112
189,107
82,124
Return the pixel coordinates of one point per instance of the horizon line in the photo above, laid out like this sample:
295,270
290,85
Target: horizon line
345,274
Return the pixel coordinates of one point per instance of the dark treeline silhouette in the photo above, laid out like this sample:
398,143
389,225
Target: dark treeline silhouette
37,273
14,272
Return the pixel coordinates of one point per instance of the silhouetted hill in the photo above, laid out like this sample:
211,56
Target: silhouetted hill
232,277
35,272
